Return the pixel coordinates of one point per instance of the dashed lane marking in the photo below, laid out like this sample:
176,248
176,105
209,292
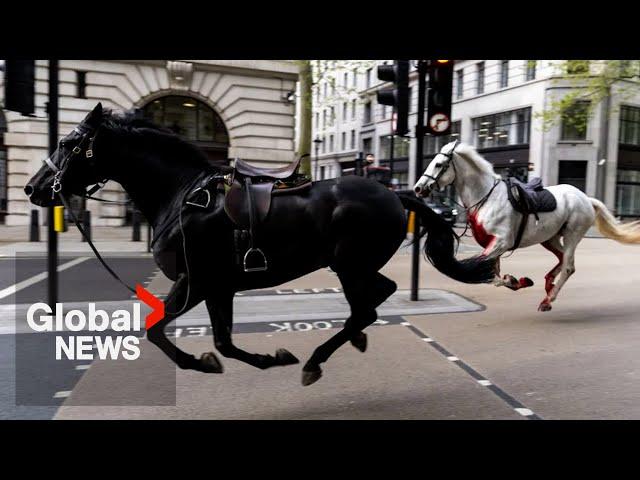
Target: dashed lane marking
517,406
62,394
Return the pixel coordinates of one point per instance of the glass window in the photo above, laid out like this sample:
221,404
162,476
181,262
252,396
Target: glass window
346,79
629,125
369,74
353,109
480,78
344,110
504,73
367,113
81,84
366,146
574,121
531,70
355,77
344,141
508,128
433,145
459,83
331,143
353,139
400,147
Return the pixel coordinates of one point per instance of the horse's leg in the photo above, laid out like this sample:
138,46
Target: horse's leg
496,250
364,293
174,301
220,309
570,241
554,245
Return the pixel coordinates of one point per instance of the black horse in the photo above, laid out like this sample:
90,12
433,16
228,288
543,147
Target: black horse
351,224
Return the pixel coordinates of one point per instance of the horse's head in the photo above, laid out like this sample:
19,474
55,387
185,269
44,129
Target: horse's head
440,172
72,167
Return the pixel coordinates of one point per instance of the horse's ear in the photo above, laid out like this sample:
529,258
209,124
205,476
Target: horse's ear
94,117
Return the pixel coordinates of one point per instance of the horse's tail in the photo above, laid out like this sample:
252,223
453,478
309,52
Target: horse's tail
440,245
611,228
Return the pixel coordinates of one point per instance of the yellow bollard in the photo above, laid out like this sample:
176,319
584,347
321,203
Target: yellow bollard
58,219
411,223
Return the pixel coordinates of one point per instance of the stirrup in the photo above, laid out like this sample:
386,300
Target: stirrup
255,269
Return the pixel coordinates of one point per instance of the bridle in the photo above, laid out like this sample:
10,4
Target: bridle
445,166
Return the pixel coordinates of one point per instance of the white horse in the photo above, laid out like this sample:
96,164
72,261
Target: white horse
495,223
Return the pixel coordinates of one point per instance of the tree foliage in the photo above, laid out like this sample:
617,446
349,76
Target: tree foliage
589,83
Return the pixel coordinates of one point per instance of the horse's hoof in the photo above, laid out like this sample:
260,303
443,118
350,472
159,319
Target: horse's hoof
544,307
285,357
359,341
525,282
209,363
309,377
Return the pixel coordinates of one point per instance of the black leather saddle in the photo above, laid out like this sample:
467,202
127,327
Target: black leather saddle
529,198
248,202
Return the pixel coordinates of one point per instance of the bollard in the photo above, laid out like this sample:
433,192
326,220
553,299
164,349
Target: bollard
34,231
86,225
59,223
148,237
135,220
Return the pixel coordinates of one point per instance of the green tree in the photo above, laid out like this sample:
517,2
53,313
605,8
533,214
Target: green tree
590,82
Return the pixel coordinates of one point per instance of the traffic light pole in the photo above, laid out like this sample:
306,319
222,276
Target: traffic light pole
415,254
52,247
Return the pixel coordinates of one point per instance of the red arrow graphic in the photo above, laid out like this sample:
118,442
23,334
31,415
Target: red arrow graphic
154,302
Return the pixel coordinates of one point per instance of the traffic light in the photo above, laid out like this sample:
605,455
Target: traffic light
398,95
19,86
439,97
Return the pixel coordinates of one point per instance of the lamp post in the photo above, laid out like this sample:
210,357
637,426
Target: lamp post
317,143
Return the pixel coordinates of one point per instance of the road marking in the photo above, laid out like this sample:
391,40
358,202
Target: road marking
504,396
39,277
83,367
525,412
62,394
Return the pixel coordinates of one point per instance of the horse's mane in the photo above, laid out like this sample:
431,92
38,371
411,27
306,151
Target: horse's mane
472,154
129,123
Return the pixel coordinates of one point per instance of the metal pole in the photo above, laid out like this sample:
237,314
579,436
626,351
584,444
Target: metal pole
316,175
393,136
415,253
52,247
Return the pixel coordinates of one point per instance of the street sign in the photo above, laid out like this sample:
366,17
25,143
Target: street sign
439,123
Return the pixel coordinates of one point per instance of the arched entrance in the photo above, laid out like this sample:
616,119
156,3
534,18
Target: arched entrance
194,121
3,170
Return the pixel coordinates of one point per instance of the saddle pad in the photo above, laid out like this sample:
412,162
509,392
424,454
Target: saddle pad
530,197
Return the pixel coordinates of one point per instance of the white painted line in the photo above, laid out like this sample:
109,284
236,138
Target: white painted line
525,412
62,394
39,277
406,324
428,339
484,383
453,359
83,367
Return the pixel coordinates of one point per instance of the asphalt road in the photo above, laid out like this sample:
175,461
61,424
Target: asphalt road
503,361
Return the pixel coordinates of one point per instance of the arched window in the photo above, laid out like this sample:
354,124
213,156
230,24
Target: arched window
194,121
3,170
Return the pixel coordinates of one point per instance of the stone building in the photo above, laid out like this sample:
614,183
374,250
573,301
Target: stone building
229,108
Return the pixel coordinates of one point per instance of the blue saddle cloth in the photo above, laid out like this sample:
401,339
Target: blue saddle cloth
530,197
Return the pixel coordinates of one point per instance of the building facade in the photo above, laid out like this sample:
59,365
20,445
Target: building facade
495,107
229,108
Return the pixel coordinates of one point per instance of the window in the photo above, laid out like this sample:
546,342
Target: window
355,77
400,147
81,84
366,145
3,170
332,117
574,121
325,89
331,143
459,83
346,79
368,79
480,78
324,118
344,111
629,125
324,144
573,172
344,140
318,120
353,139
530,73
628,193
504,73
367,113
508,128
433,145
576,67
353,109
